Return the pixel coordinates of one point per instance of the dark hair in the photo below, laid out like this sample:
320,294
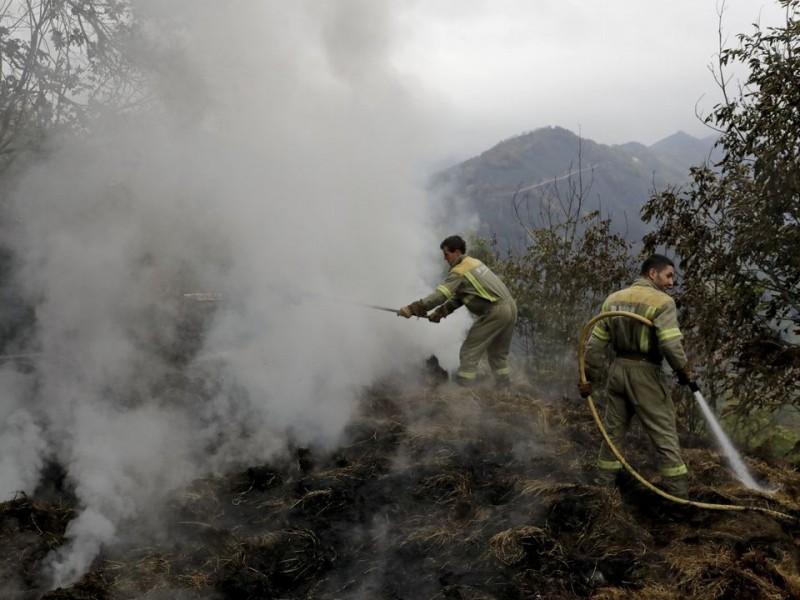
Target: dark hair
453,243
657,262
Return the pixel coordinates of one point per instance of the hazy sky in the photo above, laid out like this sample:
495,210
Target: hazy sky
615,70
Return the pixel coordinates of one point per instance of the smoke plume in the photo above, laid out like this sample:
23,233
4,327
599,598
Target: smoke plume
274,189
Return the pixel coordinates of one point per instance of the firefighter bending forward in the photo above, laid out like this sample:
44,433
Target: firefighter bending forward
472,284
636,382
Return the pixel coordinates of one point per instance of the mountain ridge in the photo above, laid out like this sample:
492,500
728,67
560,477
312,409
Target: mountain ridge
552,161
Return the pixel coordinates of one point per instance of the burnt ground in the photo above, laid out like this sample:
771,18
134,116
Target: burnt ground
438,493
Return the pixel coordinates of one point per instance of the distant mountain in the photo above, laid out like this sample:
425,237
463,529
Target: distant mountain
682,149
538,164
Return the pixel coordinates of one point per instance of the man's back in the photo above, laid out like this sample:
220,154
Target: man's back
629,336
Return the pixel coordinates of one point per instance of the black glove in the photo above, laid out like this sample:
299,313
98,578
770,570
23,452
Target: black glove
415,309
439,314
585,388
685,376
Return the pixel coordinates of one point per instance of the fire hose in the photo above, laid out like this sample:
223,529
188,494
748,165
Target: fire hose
584,335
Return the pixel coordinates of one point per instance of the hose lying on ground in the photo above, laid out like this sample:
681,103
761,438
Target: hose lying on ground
585,332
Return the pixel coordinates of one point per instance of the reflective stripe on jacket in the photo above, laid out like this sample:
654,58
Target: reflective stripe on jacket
471,283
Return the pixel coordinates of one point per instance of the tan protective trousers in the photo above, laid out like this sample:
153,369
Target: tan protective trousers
640,388
491,333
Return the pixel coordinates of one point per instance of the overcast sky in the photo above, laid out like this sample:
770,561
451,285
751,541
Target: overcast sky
613,70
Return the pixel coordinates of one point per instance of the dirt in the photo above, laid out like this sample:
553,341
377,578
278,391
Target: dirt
440,493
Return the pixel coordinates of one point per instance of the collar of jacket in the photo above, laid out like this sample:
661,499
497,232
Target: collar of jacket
646,283
458,261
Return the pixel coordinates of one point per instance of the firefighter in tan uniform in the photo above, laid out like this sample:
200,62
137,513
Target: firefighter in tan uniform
636,382
472,284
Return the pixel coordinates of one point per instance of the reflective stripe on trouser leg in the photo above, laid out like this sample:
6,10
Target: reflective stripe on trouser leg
609,465
676,471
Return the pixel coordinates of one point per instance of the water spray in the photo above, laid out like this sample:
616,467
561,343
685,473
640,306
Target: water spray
736,462
297,293
361,304
376,307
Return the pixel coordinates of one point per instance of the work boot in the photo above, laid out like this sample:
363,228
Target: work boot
605,478
502,382
676,486
464,382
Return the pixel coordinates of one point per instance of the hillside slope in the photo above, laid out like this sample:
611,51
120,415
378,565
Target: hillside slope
439,493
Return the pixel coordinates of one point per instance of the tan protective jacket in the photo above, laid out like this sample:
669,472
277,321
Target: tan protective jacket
631,337
470,283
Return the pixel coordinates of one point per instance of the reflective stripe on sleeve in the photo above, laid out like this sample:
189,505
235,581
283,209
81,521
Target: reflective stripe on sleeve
669,334
444,290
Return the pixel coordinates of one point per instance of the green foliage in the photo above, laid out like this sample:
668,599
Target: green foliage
771,433
573,260
61,61
483,250
736,229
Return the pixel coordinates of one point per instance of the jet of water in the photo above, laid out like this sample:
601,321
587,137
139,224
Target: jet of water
739,468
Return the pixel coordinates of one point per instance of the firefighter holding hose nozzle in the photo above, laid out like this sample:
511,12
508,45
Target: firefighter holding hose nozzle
472,284
636,382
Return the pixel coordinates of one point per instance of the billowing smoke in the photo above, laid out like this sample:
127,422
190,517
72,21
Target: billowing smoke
275,190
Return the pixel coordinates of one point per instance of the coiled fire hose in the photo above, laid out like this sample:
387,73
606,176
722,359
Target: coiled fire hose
585,333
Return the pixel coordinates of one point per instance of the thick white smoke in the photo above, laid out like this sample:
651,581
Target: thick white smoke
279,180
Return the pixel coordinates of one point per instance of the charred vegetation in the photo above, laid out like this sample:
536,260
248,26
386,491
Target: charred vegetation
437,493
